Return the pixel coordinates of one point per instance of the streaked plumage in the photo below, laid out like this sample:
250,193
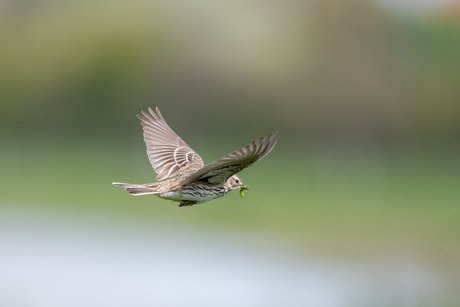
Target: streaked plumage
193,182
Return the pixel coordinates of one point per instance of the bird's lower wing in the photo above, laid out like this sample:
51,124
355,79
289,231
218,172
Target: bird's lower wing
218,171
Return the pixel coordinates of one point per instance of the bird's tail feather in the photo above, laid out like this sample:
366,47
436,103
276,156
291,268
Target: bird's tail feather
139,189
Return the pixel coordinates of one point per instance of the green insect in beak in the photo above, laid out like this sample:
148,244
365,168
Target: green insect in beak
242,189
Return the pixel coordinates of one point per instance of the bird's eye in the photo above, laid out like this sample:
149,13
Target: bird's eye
237,181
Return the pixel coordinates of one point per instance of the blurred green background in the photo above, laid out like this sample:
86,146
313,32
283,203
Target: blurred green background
366,96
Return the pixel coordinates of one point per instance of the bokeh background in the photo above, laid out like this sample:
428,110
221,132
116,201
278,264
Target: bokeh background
357,205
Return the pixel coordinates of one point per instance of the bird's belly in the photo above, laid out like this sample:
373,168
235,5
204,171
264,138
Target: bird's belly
198,194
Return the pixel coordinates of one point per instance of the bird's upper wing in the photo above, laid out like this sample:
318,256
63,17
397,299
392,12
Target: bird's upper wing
218,171
167,152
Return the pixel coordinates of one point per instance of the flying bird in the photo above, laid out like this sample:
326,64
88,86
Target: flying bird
192,182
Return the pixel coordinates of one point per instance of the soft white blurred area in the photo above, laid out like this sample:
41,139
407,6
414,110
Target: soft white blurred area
50,260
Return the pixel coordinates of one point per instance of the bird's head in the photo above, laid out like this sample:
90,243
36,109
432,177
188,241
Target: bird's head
235,182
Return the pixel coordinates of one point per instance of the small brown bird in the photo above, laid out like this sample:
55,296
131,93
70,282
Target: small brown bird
195,183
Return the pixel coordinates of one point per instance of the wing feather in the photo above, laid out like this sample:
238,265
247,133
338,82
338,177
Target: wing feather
218,171
167,152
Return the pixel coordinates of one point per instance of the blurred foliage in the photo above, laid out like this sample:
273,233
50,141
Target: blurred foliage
313,69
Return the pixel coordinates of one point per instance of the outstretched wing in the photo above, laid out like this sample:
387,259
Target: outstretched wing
167,152
218,171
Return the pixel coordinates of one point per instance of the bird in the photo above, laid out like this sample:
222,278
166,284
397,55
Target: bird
190,181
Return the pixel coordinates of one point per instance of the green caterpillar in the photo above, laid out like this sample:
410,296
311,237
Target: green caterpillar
242,189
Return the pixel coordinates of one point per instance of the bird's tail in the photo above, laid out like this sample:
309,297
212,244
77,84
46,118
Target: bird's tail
139,189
